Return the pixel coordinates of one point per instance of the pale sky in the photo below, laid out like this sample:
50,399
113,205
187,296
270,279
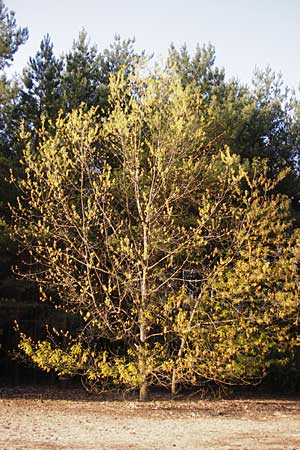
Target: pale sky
245,33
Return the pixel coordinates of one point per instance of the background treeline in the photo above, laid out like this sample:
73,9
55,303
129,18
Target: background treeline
261,121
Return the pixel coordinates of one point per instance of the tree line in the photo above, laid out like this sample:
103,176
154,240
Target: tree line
158,207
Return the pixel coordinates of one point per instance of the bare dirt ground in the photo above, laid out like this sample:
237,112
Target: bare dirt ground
41,418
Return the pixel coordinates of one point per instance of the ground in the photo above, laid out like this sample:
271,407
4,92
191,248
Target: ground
44,418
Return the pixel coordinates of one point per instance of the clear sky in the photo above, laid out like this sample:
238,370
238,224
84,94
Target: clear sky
245,33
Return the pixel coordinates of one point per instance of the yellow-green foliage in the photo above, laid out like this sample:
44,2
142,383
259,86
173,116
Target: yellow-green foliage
116,213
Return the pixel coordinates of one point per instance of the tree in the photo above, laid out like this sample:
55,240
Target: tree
148,251
82,77
198,70
87,71
121,54
241,319
259,121
11,37
41,94
278,116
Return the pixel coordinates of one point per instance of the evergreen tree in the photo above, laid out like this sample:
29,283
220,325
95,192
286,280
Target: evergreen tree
259,121
41,93
121,54
82,79
278,116
198,70
11,37
87,71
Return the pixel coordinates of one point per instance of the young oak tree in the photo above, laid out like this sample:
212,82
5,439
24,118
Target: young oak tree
132,223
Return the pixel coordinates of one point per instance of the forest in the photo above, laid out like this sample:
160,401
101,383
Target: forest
149,218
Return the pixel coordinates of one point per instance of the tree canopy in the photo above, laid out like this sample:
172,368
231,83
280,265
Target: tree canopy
158,208
164,253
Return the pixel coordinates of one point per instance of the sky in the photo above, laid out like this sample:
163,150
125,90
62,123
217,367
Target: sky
245,33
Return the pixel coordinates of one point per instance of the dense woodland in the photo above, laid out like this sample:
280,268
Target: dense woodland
155,212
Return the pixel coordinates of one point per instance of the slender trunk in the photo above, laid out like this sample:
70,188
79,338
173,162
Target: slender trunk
142,363
143,395
143,320
174,374
144,392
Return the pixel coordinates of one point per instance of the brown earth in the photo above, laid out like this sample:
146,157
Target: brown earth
44,418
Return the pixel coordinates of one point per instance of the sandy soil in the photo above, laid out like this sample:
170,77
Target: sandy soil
37,419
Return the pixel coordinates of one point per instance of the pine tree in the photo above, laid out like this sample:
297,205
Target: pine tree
11,37
82,77
41,93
